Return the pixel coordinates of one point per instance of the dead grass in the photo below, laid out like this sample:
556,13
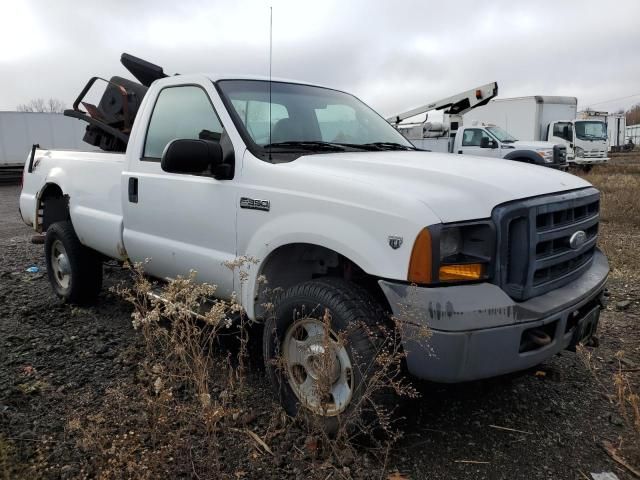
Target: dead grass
6,452
619,237
621,390
619,183
192,412
374,418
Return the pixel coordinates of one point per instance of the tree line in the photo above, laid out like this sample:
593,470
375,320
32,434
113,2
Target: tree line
633,115
52,105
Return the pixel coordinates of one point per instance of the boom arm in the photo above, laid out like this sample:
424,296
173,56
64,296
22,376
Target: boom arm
457,104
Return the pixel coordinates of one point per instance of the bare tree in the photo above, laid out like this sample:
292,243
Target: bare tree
633,115
41,105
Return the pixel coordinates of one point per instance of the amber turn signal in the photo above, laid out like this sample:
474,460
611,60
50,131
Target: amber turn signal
420,263
470,271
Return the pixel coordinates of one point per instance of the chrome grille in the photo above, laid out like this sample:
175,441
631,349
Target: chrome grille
534,251
594,153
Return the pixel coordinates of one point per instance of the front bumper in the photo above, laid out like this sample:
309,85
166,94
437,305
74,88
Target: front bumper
588,161
478,330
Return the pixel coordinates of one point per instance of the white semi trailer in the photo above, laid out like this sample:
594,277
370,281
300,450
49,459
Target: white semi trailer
548,118
20,130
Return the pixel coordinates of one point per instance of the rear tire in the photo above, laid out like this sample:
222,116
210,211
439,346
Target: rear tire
74,271
297,321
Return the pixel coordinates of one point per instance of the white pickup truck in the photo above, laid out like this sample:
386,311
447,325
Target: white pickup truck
487,141
498,258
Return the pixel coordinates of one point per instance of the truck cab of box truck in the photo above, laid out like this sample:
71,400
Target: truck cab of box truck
615,126
586,140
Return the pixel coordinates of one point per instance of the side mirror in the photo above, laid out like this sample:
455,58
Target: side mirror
487,143
189,156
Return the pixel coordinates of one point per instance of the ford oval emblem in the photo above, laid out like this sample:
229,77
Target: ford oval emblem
577,240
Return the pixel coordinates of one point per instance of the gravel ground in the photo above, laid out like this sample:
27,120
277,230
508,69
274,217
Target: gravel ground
11,225
59,362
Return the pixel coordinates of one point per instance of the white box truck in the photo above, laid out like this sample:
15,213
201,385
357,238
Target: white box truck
20,130
548,118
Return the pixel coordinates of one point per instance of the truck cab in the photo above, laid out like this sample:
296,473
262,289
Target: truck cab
585,140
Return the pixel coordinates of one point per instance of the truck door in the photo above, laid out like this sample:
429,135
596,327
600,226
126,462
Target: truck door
473,143
562,133
179,222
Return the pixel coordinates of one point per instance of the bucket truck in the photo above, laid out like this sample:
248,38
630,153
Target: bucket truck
486,140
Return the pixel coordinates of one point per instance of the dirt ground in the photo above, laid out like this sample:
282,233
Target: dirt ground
68,373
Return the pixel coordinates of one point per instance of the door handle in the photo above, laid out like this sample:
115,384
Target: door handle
133,190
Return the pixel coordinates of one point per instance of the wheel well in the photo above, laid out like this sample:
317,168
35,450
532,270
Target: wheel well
53,206
295,263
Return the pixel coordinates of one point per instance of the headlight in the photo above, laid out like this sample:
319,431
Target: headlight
547,155
579,152
450,242
452,253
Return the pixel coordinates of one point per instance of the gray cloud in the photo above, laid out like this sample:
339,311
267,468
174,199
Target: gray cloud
393,55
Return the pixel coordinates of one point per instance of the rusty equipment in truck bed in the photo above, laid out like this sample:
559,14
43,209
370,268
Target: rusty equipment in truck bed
111,120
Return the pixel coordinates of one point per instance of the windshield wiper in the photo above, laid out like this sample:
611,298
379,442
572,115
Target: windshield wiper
387,146
509,141
337,146
307,145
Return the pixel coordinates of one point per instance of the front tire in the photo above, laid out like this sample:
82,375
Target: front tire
324,388
74,271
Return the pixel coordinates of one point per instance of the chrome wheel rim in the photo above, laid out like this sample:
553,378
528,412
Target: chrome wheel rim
318,367
60,264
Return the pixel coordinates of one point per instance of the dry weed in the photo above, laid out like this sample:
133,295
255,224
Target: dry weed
619,389
619,184
372,417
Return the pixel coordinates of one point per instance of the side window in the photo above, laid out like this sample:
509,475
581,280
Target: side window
337,123
472,137
180,112
560,132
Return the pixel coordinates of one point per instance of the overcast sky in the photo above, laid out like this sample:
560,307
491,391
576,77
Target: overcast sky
392,54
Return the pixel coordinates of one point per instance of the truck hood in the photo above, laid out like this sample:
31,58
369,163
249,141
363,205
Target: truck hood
453,187
531,145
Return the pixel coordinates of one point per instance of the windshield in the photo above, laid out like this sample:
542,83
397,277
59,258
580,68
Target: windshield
502,135
293,117
591,130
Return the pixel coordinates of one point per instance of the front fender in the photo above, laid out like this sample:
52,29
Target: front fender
529,155
371,252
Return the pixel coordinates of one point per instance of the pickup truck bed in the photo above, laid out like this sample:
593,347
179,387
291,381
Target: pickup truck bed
93,193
